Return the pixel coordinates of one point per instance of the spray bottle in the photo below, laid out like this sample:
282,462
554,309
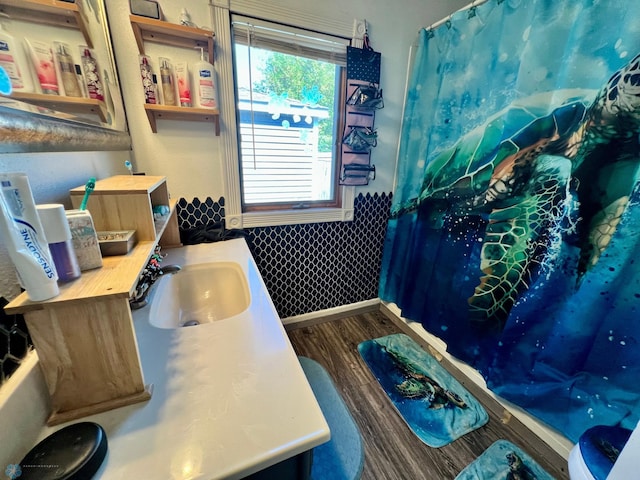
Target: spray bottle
67,72
92,74
168,82
205,88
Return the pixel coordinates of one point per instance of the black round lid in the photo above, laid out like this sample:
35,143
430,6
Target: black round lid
74,452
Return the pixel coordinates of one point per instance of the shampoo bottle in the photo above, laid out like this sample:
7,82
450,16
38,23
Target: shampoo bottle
206,91
14,62
92,75
168,82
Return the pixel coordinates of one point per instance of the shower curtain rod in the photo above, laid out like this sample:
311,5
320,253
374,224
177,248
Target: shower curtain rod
473,4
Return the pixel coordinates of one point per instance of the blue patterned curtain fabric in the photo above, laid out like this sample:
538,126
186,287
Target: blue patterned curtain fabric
515,228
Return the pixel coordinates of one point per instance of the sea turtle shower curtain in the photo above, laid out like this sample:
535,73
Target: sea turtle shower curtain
515,226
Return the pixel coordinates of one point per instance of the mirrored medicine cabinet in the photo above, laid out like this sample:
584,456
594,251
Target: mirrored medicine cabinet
34,122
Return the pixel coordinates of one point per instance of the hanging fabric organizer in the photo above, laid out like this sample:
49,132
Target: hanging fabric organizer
363,98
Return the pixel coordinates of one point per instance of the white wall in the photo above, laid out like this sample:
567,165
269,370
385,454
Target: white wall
189,154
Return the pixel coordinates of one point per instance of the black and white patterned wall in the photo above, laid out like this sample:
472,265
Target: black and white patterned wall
316,266
15,342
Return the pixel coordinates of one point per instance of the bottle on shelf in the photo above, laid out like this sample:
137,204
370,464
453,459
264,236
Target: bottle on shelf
67,71
185,18
92,75
168,82
42,60
184,87
205,88
14,62
149,88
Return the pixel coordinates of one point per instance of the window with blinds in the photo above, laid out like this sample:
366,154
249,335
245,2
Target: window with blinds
289,101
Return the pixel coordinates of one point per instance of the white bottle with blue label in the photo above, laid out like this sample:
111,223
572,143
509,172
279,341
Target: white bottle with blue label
206,88
12,59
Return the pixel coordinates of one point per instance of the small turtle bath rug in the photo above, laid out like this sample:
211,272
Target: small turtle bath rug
435,406
503,461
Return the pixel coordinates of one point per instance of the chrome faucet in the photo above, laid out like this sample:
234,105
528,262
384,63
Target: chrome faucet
143,288
149,275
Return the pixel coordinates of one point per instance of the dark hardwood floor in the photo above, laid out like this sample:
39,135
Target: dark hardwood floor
392,451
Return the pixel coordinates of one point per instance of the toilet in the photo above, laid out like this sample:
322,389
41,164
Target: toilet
598,448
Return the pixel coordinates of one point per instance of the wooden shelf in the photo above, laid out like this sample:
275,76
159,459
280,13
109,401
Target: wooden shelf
152,30
168,112
125,202
117,278
75,105
48,12
85,336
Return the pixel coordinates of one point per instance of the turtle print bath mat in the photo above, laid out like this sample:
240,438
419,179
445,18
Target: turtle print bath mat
435,406
503,461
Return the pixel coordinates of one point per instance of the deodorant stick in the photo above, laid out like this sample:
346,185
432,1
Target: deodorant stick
56,230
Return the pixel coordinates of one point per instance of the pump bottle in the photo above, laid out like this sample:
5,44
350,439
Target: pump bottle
205,87
15,64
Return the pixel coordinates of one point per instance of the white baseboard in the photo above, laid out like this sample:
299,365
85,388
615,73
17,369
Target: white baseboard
329,314
552,437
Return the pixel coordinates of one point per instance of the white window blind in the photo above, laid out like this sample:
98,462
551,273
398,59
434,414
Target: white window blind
290,40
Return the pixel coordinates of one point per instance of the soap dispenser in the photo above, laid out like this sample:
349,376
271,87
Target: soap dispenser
206,91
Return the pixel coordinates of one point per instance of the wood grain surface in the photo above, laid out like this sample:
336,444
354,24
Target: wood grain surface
392,451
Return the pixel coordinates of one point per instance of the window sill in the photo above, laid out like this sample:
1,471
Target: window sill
297,216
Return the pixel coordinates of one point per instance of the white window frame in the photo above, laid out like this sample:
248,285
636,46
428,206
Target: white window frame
234,216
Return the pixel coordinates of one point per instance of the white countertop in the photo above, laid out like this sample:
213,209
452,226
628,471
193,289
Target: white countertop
229,397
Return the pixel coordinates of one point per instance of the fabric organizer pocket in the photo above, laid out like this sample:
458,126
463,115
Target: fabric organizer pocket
356,169
360,139
356,118
366,97
355,174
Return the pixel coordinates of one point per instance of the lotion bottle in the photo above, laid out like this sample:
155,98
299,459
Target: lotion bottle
182,80
15,64
45,69
205,88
